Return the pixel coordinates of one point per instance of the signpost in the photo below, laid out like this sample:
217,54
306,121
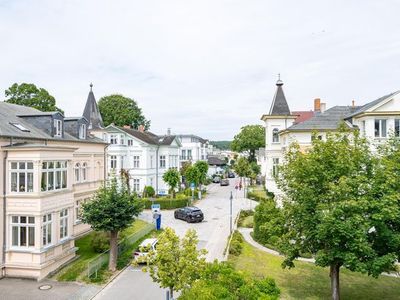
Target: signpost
192,186
231,198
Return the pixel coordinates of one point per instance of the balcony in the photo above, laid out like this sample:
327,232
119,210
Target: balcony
186,157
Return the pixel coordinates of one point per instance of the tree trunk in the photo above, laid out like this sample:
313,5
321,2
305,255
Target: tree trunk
112,264
334,274
173,194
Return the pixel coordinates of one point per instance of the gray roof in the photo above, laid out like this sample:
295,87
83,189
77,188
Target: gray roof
92,112
216,161
149,137
328,120
10,113
279,104
203,141
370,104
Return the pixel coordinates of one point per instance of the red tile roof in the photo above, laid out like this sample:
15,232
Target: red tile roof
302,115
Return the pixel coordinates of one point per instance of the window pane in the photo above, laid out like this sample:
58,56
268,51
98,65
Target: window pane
49,217
58,165
22,236
13,165
44,181
397,127
58,180
30,165
22,184
14,219
377,127
30,182
15,235
21,165
64,179
49,234
44,234
14,182
31,220
50,165
51,181
22,220
31,236
383,128
44,165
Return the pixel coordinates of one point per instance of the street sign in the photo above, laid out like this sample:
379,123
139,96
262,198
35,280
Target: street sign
192,185
156,207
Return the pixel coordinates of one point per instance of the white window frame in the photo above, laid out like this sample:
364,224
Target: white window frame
18,169
136,184
130,142
82,131
163,162
77,172
396,129
136,161
57,128
58,171
47,230
29,225
275,166
113,162
113,139
84,172
64,224
275,135
380,133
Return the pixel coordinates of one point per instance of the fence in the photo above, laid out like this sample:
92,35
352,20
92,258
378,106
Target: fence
94,265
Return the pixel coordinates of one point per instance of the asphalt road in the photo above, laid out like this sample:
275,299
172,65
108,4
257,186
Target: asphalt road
213,235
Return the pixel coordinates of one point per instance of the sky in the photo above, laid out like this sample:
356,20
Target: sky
205,67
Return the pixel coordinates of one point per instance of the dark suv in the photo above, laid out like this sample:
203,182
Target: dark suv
189,214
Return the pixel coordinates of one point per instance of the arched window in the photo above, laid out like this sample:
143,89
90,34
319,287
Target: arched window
77,172
84,171
275,135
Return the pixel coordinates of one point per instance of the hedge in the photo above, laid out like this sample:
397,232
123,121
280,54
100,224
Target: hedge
167,203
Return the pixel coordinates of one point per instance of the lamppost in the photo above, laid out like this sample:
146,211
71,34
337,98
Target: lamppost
231,198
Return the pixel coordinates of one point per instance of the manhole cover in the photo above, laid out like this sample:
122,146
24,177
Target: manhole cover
215,218
45,287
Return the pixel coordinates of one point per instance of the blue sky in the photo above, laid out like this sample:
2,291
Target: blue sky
204,67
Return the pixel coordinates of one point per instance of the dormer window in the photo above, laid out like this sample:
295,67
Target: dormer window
57,128
82,131
275,135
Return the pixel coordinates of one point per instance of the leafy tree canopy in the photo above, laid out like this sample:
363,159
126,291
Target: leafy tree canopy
172,177
222,145
222,281
28,94
202,166
121,111
249,139
242,167
192,174
333,207
176,263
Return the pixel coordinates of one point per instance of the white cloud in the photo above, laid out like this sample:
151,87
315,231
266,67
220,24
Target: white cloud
203,67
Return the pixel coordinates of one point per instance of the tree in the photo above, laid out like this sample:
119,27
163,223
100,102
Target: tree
202,166
172,178
332,207
255,170
176,263
249,139
192,175
242,167
112,209
28,94
121,111
222,281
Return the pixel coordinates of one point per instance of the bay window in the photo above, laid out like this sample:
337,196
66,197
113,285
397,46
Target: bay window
54,175
63,224
21,178
47,230
23,231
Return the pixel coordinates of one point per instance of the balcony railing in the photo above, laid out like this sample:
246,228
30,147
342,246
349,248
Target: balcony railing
186,157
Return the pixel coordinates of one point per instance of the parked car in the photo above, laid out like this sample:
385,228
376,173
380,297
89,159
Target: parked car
189,214
217,179
140,255
231,175
224,182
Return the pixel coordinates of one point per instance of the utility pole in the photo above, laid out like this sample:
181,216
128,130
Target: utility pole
231,198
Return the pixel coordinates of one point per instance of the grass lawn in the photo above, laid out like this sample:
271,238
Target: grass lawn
76,270
307,281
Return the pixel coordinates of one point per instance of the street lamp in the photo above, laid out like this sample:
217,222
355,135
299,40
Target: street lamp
231,198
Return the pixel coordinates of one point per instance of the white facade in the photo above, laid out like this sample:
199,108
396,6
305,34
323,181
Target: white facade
145,159
194,148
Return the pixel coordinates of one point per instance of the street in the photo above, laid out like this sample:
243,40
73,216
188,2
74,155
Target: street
213,235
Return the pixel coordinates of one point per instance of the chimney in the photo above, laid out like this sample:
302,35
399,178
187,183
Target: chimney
317,104
169,131
353,103
141,128
323,107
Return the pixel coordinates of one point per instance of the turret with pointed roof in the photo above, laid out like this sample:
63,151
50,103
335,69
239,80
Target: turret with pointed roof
92,112
279,105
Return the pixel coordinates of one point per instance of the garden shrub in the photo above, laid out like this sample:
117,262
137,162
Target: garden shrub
168,203
100,242
236,245
148,191
268,223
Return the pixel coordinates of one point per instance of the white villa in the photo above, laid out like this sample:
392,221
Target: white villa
376,120
146,156
194,148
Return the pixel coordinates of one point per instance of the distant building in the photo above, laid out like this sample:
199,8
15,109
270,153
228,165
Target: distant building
194,148
50,165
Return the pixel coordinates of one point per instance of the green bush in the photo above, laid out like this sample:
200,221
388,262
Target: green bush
236,245
100,242
167,203
148,191
268,223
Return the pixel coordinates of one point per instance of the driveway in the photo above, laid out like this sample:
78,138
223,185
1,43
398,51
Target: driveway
213,235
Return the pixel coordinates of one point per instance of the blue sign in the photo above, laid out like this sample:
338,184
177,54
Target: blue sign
155,207
192,185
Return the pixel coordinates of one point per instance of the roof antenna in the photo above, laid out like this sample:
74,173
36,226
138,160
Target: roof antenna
91,85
